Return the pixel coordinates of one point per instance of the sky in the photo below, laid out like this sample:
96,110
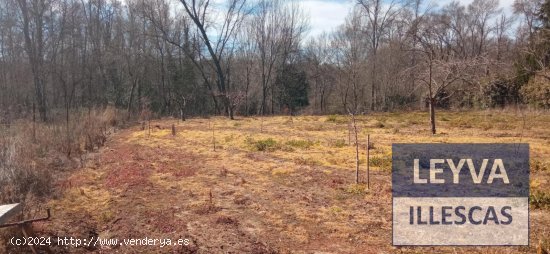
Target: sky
326,15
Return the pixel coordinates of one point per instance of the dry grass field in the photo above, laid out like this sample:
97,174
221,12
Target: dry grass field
273,184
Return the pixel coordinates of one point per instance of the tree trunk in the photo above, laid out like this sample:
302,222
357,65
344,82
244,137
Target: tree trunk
356,151
182,115
368,162
231,111
373,84
432,115
432,99
131,99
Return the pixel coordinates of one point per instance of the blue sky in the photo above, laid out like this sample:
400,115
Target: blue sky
326,15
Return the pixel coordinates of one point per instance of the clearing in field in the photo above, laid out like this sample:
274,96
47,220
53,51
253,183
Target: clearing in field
274,184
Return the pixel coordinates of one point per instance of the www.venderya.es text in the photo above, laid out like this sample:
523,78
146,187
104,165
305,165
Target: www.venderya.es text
97,242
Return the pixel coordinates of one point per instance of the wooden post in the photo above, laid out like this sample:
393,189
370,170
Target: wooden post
349,134
173,130
356,149
368,159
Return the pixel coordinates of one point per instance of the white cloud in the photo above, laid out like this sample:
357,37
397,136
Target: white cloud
506,5
326,15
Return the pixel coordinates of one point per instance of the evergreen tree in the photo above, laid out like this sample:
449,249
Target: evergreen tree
292,88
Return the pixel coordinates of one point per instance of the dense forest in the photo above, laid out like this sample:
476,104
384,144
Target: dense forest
256,57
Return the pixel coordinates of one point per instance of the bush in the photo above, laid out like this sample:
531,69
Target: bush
442,100
263,145
356,189
383,162
19,174
500,92
304,144
537,91
340,143
32,155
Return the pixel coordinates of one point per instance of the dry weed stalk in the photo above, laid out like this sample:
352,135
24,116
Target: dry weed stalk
368,162
354,125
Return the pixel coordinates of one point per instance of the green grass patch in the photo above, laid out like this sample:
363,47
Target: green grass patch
307,161
339,143
335,210
303,144
383,162
263,145
356,189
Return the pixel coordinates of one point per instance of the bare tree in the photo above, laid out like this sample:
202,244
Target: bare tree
220,57
278,27
481,13
34,14
236,11
380,19
321,72
351,59
439,72
529,10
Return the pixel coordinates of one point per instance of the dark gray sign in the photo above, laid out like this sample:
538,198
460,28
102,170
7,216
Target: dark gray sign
460,194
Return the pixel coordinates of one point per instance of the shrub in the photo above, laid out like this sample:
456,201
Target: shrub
335,210
537,91
339,143
356,189
304,144
19,175
263,145
500,93
383,162
32,155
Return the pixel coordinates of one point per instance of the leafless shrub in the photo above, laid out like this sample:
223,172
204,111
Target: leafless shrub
19,176
33,155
